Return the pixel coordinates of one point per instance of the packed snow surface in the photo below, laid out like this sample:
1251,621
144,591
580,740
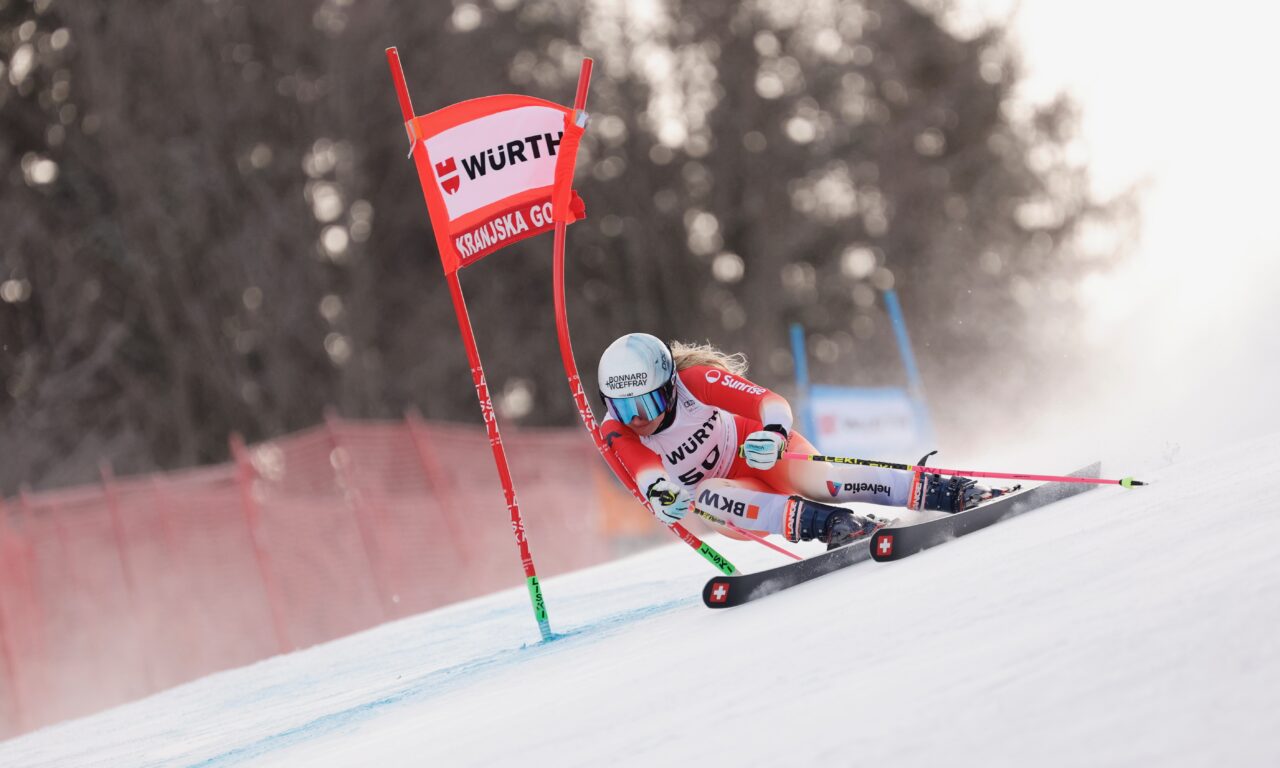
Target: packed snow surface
1137,627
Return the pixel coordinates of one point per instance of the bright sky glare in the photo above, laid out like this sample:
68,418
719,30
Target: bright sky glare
1176,98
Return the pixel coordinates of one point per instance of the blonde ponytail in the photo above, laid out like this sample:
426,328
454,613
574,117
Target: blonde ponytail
689,355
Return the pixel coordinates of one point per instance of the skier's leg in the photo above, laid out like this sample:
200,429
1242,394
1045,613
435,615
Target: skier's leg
844,483
746,503
835,483
750,504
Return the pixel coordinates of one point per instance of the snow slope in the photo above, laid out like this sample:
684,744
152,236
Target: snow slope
1117,628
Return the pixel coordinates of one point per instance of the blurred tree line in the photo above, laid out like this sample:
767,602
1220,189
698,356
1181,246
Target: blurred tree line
210,223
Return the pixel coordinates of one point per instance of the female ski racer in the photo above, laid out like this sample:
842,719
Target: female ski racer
677,416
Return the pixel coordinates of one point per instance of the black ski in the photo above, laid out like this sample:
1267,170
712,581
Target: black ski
896,543
887,544
728,591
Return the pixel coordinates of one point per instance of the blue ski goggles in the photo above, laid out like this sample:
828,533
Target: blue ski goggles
648,406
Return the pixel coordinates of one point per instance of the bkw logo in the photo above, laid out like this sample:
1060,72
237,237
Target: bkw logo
713,500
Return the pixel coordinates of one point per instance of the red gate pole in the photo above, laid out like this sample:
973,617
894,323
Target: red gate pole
499,455
564,178
482,389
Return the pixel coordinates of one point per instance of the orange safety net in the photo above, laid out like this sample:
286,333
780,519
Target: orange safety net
114,591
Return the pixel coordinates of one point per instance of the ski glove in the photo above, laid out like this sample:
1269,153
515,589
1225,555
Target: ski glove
763,449
670,502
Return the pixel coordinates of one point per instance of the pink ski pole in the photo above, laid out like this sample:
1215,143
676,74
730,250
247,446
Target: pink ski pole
1127,482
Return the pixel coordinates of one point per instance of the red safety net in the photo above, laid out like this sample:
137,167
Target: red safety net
114,591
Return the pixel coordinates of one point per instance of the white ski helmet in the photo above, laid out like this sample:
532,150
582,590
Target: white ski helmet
637,377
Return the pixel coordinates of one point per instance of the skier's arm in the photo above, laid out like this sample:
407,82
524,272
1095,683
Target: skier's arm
668,500
739,395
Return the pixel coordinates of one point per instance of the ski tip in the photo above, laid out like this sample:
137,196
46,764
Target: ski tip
1129,482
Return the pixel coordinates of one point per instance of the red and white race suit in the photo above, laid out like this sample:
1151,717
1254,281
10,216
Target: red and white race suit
715,411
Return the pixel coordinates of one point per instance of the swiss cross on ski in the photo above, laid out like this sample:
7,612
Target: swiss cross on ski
719,592
884,544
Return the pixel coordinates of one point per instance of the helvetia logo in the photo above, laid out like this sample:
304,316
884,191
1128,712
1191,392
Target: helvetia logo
835,488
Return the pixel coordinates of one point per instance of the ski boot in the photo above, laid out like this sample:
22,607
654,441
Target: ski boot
807,520
950,494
